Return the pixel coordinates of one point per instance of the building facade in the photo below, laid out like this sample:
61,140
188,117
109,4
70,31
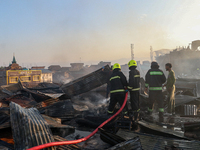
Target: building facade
27,77
13,73
46,76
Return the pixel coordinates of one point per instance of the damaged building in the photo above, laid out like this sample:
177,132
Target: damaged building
73,112
76,70
70,112
185,60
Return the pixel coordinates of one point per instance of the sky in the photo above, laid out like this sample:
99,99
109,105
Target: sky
44,32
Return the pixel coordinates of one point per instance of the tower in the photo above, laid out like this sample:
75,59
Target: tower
132,53
151,53
14,60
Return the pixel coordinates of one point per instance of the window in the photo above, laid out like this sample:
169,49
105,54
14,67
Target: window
13,79
25,78
36,78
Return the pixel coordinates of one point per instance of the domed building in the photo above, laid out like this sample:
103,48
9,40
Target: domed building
14,73
14,65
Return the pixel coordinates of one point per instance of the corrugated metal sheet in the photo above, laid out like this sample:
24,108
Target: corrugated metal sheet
21,100
153,142
185,99
28,127
52,95
41,105
13,87
4,117
132,144
161,130
46,88
66,147
61,109
58,128
6,146
38,97
86,83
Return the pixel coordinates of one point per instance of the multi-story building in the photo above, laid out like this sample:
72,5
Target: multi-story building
46,76
27,77
13,73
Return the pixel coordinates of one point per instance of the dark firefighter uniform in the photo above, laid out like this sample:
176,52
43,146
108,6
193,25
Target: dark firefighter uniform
118,83
154,80
134,87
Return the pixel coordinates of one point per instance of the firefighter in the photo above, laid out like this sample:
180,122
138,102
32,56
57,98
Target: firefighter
154,80
134,87
170,86
118,84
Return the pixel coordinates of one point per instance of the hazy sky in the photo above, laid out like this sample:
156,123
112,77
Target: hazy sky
42,32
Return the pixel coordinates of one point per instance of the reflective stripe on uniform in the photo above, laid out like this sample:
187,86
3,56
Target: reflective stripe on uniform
150,110
115,77
138,110
115,91
146,84
125,112
156,73
161,109
136,89
110,112
130,87
155,88
136,76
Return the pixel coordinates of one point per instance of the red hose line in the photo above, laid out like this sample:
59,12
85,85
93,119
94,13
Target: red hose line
83,139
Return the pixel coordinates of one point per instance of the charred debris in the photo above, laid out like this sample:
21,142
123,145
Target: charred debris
49,112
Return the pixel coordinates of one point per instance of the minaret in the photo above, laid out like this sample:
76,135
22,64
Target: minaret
14,60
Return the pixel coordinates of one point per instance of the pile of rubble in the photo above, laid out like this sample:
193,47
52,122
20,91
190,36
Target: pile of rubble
50,112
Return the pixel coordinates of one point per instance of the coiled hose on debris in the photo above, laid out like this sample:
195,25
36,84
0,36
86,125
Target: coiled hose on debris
83,139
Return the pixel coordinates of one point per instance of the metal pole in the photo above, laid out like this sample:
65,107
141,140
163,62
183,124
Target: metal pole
132,54
151,53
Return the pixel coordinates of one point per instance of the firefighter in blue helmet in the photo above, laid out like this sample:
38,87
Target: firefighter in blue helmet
154,80
118,84
134,87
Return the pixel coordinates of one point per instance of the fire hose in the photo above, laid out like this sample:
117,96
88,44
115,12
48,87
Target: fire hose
83,139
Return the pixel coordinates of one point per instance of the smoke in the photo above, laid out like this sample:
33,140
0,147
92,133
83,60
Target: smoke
64,80
92,101
57,78
184,62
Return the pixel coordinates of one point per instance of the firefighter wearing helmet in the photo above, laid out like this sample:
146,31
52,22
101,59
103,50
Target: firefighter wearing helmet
118,84
134,88
153,82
